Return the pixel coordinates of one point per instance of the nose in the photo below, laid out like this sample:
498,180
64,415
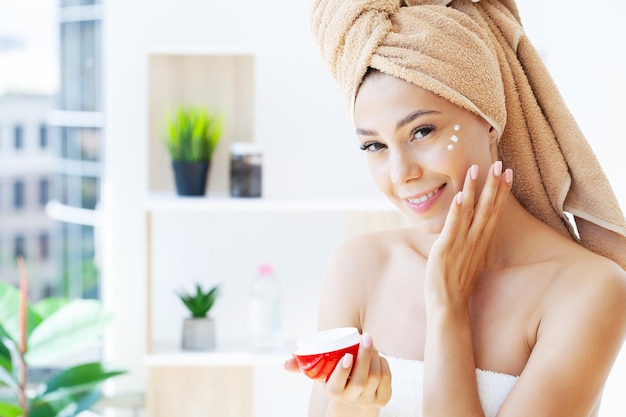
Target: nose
403,166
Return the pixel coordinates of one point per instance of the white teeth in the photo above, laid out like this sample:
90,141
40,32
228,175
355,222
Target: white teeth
421,199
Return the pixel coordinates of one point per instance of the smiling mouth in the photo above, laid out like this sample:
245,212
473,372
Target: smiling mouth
425,197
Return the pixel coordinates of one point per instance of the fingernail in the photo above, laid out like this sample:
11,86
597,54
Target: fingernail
346,362
474,172
508,176
497,168
459,198
367,340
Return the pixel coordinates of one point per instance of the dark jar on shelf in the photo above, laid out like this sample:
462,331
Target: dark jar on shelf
245,170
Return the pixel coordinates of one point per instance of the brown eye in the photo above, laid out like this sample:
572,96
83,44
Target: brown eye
372,147
421,132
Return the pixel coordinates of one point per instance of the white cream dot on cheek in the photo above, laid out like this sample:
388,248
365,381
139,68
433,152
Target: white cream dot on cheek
450,147
457,128
454,138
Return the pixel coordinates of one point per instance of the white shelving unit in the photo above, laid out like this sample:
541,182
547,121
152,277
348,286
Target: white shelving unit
234,370
201,238
170,202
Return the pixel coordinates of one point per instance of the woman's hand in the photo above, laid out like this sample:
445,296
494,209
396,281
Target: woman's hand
364,382
458,254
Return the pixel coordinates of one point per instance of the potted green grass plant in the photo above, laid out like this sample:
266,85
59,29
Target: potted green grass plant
191,136
40,335
199,328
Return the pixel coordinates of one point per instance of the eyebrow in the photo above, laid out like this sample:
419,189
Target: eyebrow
408,119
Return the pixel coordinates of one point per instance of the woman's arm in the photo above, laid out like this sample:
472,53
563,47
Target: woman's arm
582,326
456,258
359,386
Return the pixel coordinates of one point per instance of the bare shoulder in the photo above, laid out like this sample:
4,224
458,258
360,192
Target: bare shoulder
363,250
352,268
586,275
580,333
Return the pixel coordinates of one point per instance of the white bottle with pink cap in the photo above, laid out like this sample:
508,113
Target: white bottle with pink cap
264,318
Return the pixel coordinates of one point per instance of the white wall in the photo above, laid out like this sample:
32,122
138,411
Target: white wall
300,122
302,125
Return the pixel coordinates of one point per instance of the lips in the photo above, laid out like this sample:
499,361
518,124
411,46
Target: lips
422,198
423,202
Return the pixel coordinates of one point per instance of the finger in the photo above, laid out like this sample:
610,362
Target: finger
383,391
507,183
487,198
361,369
291,365
469,198
336,384
494,194
373,377
461,210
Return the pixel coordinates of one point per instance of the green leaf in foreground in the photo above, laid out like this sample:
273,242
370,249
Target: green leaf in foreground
78,378
10,410
66,406
9,302
5,357
68,330
8,378
49,305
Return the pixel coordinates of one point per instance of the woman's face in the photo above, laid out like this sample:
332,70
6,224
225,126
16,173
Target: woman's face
419,146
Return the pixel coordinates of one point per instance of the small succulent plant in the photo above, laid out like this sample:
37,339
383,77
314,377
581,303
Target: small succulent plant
200,303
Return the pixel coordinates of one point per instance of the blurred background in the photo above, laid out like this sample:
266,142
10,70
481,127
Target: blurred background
87,194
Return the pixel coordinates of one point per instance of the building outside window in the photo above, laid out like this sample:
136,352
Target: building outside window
44,191
19,247
50,158
18,194
50,153
44,246
18,137
43,136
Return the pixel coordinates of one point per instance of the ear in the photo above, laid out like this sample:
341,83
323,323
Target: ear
493,136
493,143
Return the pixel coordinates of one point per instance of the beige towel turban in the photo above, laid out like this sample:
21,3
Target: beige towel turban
475,54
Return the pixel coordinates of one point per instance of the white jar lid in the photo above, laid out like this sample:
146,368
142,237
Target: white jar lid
327,341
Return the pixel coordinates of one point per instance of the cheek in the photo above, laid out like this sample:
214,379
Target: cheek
379,173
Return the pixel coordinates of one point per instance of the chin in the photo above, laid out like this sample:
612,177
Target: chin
432,226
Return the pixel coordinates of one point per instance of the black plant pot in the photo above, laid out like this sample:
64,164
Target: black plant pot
190,177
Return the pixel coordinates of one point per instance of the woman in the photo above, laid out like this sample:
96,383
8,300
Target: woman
494,302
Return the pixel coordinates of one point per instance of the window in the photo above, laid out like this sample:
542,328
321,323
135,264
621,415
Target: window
18,194
43,136
19,247
81,144
18,136
44,192
44,246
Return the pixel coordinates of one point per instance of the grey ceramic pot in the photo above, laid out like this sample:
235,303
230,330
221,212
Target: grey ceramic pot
198,334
